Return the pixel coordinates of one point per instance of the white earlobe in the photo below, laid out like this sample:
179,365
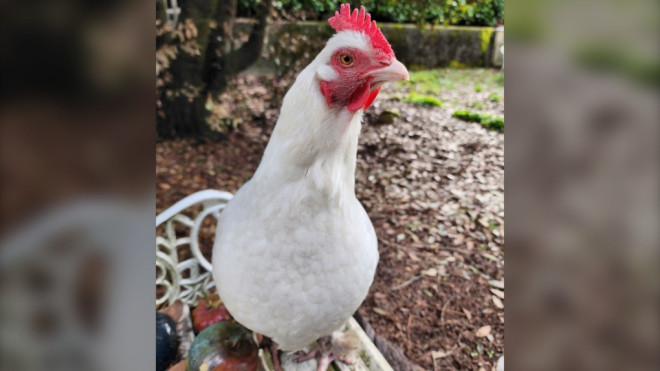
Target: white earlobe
326,73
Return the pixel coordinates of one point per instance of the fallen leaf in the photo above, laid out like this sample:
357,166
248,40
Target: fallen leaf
380,311
413,236
467,314
437,354
431,272
497,284
448,260
482,332
498,302
498,293
490,257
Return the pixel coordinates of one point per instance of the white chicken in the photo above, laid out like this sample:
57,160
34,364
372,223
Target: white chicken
295,252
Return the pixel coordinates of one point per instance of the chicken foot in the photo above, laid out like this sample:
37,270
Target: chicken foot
332,348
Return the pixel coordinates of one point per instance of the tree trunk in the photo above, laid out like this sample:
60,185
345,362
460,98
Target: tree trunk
204,77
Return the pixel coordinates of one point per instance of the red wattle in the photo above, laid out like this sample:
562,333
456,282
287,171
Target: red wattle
371,98
358,101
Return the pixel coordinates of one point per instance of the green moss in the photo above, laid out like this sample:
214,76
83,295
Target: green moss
416,67
486,34
456,64
365,358
388,116
488,121
397,97
423,100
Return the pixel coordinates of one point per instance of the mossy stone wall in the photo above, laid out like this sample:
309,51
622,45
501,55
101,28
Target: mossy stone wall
428,47
291,46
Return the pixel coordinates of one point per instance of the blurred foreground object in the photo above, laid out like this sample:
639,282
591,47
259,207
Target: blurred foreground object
76,149
582,185
71,288
76,104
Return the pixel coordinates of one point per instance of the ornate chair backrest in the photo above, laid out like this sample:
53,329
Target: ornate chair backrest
190,278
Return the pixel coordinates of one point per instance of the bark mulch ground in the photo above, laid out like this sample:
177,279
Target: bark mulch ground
433,187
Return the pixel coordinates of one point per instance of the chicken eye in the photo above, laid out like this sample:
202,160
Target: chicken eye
346,59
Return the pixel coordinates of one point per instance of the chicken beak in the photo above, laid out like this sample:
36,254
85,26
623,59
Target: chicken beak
395,71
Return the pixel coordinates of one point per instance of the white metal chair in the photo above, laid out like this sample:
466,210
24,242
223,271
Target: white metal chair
189,279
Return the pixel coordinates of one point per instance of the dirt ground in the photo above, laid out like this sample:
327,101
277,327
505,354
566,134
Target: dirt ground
433,187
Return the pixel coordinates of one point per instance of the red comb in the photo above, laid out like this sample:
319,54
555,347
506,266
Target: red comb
344,20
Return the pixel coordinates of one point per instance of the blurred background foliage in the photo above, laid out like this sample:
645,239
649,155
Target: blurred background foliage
200,53
445,12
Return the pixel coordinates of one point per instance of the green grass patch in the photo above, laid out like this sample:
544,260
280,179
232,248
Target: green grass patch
428,82
478,88
423,100
478,105
423,76
488,121
499,79
494,97
436,81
